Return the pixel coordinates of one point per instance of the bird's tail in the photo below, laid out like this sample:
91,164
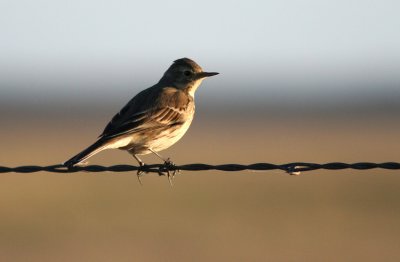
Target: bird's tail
98,146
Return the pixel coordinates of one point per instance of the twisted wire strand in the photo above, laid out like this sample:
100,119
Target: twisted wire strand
156,168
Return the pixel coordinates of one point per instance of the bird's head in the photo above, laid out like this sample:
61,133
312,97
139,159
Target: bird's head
185,74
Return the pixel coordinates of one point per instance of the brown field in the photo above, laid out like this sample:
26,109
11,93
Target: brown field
207,216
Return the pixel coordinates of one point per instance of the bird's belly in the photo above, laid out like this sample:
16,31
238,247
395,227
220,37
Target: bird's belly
140,143
120,143
169,137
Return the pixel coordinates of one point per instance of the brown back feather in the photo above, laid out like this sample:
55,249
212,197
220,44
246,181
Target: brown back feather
154,107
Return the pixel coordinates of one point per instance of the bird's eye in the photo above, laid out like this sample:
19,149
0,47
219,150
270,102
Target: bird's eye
187,73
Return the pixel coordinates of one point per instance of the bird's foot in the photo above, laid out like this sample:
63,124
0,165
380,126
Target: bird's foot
169,169
141,172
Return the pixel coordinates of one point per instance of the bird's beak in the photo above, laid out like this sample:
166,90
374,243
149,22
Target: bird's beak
205,74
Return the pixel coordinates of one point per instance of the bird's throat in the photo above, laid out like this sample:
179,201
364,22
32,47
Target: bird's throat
191,89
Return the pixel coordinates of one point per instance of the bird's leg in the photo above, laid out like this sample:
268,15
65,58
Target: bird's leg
159,156
168,165
139,172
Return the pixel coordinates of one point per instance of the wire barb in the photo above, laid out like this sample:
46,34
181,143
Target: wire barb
291,168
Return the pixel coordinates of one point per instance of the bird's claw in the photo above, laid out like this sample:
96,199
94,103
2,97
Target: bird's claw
140,172
169,169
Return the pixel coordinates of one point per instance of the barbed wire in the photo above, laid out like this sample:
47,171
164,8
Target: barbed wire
292,168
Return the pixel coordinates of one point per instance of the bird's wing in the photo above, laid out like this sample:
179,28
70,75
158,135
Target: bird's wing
134,111
150,110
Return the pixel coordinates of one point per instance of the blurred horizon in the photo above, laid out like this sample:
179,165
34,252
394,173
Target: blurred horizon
293,55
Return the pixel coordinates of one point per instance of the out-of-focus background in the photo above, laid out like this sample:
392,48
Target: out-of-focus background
314,81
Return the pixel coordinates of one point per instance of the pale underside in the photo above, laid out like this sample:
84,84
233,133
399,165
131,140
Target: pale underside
140,144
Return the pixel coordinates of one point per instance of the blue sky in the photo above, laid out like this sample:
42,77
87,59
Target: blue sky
64,46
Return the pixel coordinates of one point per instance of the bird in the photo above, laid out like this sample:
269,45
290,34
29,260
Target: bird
154,119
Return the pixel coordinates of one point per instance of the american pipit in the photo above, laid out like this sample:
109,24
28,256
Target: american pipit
154,119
